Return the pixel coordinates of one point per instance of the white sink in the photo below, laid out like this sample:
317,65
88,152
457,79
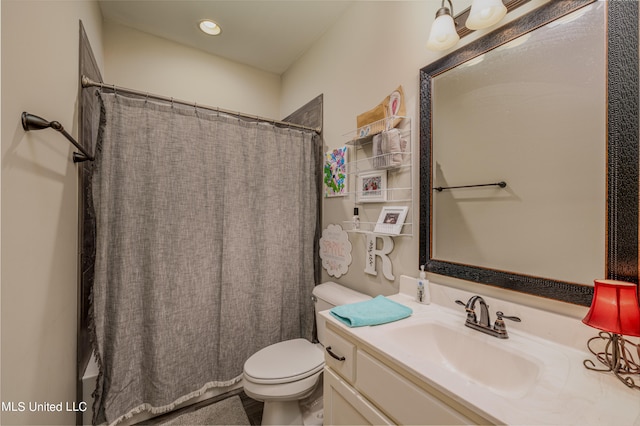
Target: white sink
482,359
536,376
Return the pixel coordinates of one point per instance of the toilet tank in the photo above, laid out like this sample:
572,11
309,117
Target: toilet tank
330,294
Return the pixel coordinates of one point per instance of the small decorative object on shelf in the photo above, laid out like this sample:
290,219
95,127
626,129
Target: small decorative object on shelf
615,311
391,220
389,147
356,218
389,112
371,187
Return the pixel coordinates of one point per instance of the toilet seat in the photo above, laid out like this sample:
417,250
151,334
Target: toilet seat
284,362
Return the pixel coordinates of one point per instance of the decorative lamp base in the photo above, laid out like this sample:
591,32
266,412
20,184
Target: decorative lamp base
618,356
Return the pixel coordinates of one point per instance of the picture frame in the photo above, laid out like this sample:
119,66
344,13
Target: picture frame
335,172
391,220
371,187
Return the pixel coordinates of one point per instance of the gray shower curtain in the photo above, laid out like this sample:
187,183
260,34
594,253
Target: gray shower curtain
205,230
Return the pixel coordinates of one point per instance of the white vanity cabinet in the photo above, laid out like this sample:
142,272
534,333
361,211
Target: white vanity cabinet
343,405
367,388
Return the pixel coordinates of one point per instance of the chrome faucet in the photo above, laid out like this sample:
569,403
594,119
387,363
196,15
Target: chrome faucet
499,328
484,310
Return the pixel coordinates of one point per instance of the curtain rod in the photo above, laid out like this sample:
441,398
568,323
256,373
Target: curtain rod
87,82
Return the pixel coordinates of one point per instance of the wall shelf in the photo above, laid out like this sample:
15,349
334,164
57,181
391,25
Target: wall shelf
391,169
368,228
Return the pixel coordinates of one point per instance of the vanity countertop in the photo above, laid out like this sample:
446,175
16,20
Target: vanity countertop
562,391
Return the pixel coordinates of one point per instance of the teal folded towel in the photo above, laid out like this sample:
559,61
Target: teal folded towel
378,310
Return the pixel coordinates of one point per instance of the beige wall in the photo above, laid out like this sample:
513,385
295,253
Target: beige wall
375,47
147,63
39,204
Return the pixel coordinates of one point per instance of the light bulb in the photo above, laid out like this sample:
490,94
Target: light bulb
209,27
443,33
485,13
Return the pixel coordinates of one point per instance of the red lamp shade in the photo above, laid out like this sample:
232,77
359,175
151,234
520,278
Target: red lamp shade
614,308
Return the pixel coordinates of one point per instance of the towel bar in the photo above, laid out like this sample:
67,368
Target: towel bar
501,184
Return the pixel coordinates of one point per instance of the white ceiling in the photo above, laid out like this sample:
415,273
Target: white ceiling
265,34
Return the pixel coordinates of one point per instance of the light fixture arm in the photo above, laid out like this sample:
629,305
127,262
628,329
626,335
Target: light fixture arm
33,122
440,12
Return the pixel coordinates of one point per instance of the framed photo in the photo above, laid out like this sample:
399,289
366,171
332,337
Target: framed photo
371,187
391,220
335,172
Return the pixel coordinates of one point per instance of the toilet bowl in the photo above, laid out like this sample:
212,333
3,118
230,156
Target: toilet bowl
281,375
284,373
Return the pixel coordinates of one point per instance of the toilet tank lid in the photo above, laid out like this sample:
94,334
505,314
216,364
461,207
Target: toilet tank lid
337,294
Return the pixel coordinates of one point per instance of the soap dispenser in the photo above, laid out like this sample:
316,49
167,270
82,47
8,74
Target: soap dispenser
356,219
423,294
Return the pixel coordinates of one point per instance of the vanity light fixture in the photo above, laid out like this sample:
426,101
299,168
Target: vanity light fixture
485,13
615,311
443,33
209,27
482,14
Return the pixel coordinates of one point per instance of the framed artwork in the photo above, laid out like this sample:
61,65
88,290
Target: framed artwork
335,172
391,220
371,187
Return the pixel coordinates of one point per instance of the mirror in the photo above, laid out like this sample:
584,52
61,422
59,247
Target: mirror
554,131
538,129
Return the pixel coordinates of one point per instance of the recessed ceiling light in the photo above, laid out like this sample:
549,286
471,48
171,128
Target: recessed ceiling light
209,27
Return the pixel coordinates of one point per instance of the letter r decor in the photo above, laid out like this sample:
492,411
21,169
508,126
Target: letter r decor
371,244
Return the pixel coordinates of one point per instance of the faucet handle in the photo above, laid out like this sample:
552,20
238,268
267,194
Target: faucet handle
471,314
500,315
499,325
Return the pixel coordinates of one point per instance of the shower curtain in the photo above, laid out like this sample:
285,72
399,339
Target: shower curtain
205,230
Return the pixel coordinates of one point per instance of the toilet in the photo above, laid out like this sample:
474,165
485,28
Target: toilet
283,374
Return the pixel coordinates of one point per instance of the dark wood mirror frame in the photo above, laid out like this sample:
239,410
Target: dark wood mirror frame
622,152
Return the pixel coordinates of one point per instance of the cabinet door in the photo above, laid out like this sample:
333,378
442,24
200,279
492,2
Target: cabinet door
343,405
400,398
